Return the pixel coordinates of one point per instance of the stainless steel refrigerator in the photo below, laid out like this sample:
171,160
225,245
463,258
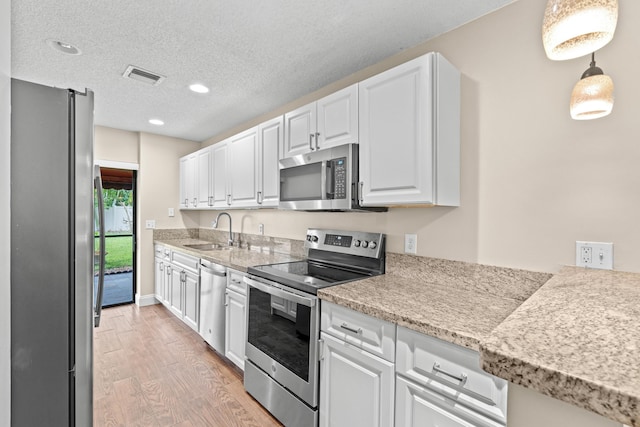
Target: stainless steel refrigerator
52,256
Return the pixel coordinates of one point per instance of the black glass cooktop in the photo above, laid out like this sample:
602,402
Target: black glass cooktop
307,276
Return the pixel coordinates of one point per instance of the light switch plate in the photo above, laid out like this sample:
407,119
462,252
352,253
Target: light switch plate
172,212
594,255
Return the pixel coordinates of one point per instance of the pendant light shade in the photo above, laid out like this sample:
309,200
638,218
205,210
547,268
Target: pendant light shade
592,96
574,28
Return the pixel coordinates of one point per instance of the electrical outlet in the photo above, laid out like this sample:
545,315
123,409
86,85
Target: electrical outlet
150,224
594,255
410,243
172,212
261,229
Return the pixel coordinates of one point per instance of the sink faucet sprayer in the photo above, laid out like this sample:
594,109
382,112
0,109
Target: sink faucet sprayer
214,224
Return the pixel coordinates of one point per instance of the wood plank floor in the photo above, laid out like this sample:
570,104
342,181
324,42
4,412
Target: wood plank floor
150,369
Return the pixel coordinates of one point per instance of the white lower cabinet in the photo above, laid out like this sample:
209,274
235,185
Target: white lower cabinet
418,406
191,304
235,318
375,373
178,286
356,369
356,387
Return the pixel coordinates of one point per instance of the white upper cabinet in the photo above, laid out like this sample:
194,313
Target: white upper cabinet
219,187
410,134
203,178
243,168
270,138
188,171
328,122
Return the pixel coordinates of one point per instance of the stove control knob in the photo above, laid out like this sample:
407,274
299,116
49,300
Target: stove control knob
373,245
356,243
365,243
314,239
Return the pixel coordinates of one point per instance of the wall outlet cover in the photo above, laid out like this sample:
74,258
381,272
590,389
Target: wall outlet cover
150,224
411,243
594,255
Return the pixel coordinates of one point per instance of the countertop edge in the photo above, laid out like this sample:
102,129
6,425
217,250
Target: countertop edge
594,397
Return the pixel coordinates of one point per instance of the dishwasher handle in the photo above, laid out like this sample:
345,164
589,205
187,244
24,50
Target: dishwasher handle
215,269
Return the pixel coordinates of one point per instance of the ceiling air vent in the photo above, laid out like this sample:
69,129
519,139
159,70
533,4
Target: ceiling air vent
142,75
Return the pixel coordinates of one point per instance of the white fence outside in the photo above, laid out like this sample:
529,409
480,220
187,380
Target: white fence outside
118,219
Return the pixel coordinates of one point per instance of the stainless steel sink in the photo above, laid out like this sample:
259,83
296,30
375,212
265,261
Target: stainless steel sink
209,247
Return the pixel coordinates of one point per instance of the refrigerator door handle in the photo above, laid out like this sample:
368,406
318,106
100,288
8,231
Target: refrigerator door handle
98,308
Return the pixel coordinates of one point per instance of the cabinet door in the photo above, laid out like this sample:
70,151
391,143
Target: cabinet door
418,406
188,199
166,284
338,118
356,387
158,279
191,300
300,131
203,179
220,193
175,291
235,330
243,169
396,116
270,139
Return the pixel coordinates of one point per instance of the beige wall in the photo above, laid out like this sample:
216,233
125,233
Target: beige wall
157,186
533,180
116,145
5,212
158,190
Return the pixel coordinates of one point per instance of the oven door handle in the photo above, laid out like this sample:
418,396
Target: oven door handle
272,290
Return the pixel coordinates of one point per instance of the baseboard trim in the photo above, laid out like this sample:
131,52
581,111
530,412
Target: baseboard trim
144,300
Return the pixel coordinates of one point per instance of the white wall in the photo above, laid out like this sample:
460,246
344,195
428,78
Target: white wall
5,211
533,180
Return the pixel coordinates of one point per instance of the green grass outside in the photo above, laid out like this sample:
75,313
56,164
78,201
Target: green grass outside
119,252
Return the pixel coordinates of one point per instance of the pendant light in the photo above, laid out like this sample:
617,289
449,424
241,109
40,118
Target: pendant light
592,96
573,28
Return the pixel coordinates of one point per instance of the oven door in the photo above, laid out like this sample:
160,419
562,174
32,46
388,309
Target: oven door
282,336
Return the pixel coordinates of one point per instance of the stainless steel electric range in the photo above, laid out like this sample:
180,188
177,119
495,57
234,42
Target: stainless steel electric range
283,319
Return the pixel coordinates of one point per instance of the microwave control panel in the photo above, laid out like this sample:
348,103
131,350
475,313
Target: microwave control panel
340,178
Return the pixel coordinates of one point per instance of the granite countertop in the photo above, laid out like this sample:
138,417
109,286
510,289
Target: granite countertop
577,339
455,301
236,258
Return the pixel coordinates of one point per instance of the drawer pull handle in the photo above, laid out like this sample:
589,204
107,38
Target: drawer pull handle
350,329
462,379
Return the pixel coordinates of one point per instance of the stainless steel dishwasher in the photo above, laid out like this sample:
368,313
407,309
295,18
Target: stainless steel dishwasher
213,283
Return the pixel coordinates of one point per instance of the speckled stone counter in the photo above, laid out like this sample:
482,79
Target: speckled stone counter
454,301
255,250
577,339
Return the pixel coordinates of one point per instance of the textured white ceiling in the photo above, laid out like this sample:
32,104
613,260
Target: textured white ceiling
255,55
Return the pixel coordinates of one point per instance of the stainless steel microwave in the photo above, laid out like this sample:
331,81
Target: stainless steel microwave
321,180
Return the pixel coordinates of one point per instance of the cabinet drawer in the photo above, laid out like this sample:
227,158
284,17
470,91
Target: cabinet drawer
451,370
368,333
418,406
185,261
235,282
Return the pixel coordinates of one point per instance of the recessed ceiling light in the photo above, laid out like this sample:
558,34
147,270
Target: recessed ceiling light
156,122
63,47
199,88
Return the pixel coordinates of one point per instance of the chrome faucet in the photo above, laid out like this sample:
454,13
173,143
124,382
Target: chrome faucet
214,224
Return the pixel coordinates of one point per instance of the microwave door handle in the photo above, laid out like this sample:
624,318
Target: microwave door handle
272,290
329,179
323,179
